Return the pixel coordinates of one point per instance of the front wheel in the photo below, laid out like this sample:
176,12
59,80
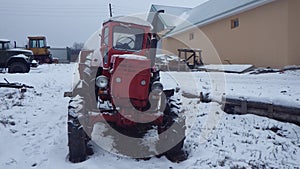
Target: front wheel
172,133
76,141
175,138
18,67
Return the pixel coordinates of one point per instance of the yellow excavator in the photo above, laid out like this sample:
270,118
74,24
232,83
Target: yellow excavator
41,52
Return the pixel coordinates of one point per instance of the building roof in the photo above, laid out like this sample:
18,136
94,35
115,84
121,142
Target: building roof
212,11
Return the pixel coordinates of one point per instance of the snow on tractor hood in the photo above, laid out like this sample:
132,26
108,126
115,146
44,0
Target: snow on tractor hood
132,56
20,56
20,50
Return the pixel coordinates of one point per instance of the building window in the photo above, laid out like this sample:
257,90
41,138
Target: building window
191,36
235,23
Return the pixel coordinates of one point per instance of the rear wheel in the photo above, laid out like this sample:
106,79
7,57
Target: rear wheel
18,67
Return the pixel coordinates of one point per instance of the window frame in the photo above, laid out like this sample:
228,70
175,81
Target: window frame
234,23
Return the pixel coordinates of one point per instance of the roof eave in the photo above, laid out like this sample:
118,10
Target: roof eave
221,16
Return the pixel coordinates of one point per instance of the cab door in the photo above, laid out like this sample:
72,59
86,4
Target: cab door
4,54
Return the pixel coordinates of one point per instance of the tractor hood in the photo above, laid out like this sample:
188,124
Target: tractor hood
21,50
21,56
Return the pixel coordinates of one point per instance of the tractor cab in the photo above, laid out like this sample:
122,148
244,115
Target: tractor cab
124,35
126,71
41,52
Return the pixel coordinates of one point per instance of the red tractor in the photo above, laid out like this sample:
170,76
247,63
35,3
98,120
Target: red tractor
121,88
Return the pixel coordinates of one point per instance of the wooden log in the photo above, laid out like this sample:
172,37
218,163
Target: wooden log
277,112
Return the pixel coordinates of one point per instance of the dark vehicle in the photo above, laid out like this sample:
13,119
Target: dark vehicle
125,93
16,60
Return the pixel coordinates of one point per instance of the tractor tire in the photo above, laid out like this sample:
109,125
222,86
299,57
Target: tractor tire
18,67
77,143
176,153
175,136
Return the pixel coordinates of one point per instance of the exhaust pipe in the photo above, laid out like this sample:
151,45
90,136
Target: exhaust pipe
154,38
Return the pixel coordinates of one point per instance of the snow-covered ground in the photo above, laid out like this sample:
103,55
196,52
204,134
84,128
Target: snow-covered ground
33,131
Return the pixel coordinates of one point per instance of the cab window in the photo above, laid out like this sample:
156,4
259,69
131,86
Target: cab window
33,44
4,46
127,38
105,36
105,45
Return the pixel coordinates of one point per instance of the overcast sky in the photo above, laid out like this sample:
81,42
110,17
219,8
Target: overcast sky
67,21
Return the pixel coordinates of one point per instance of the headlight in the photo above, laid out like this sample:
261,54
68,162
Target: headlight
157,87
101,81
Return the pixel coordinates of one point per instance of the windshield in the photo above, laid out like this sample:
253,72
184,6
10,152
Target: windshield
5,45
37,43
127,38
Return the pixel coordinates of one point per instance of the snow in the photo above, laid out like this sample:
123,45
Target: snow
131,56
20,56
281,88
20,50
33,127
130,19
4,40
237,68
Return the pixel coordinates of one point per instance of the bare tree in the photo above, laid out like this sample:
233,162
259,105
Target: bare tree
75,49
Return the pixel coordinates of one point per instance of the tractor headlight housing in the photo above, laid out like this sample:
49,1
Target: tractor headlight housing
157,88
102,81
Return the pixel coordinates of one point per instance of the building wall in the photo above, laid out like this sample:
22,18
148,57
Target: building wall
294,33
266,36
199,41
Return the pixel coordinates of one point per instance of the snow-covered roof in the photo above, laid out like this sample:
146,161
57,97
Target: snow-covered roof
129,19
36,37
4,40
214,10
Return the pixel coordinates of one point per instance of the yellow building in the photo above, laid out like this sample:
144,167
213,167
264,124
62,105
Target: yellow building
259,32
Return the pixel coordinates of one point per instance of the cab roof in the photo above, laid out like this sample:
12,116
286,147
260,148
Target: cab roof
128,19
4,40
36,37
